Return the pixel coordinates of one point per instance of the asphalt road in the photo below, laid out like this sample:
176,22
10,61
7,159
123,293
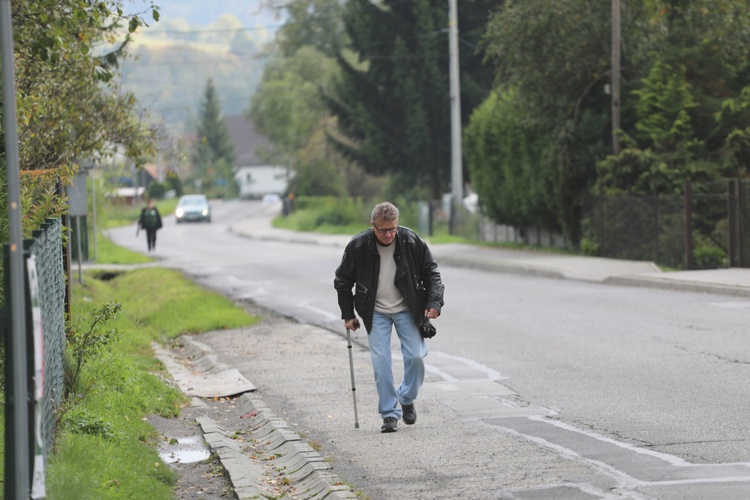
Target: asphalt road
537,388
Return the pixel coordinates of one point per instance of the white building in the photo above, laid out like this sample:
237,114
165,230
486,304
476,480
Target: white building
253,176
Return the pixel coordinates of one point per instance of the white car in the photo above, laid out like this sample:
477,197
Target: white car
193,207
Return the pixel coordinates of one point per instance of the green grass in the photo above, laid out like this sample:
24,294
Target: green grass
105,448
109,253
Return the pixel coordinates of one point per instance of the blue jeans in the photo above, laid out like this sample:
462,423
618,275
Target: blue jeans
413,350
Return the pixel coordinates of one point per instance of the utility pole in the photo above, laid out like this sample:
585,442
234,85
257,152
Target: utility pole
615,76
18,425
457,181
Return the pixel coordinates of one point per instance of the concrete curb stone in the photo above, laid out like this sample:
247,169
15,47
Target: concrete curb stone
269,459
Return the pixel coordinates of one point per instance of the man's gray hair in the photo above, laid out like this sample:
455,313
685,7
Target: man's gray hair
385,211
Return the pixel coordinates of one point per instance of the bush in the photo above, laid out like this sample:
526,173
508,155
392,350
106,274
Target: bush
709,257
332,210
156,190
589,247
175,183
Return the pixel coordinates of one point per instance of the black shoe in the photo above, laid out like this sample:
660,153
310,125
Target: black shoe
389,424
410,414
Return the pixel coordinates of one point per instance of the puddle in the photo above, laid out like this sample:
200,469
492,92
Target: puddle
186,451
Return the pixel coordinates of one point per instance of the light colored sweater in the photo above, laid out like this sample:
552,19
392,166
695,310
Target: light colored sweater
388,299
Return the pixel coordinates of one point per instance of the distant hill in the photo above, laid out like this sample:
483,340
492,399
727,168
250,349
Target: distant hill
204,12
194,41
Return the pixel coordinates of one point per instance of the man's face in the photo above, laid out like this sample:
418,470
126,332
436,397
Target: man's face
385,231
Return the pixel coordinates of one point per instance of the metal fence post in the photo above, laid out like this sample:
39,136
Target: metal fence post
688,225
732,222
742,260
18,478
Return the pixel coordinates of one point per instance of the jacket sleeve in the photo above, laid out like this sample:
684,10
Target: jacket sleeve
430,276
159,225
344,282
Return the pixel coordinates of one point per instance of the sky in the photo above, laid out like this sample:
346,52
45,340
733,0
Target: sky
205,12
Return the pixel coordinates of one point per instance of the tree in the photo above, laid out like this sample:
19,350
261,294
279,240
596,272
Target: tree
688,113
289,110
68,106
502,155
392,104
555,54
287,106
662,161
735,118
310,23
213,154
681,62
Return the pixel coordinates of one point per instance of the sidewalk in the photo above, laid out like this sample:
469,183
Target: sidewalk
735,281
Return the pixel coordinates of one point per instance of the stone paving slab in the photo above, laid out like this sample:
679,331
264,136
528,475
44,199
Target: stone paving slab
206,385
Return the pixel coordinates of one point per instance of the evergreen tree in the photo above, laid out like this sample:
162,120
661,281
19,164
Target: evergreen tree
393,105
213,154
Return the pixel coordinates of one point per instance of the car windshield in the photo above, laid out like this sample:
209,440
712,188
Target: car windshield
193,201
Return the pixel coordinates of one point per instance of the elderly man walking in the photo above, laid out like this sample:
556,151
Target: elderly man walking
396,283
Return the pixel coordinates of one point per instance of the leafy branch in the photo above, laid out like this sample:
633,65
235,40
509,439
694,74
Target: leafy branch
88,343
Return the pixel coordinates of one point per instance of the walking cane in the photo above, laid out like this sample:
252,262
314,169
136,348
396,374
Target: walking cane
351,370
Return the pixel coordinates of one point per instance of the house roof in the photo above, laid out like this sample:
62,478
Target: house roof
248,142
153,170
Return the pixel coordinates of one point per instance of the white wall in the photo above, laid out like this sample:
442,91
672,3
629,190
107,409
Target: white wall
254,182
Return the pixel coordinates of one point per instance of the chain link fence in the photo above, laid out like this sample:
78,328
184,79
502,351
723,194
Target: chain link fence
47,248
438,218
708,227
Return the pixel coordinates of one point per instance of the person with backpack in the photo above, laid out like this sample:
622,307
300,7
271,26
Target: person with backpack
150,221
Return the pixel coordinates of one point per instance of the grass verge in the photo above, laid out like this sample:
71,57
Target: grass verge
105,448
344,216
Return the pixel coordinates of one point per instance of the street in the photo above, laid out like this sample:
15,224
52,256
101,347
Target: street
536,387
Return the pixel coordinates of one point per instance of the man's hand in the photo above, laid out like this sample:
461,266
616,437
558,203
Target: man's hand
352,324
431,313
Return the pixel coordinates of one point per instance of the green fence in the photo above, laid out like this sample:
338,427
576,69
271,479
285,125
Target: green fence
47,248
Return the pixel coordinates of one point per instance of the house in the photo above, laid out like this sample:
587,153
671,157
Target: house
254,177
131,189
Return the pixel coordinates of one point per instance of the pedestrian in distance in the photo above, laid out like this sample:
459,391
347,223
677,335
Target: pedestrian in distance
387,274
150,221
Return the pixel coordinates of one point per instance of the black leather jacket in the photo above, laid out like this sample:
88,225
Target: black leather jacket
417,276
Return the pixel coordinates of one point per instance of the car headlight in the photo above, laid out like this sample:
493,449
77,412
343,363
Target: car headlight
205,212
179,212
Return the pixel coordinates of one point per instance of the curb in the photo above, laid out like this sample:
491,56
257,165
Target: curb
681,285
499,266
267,460
272,461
